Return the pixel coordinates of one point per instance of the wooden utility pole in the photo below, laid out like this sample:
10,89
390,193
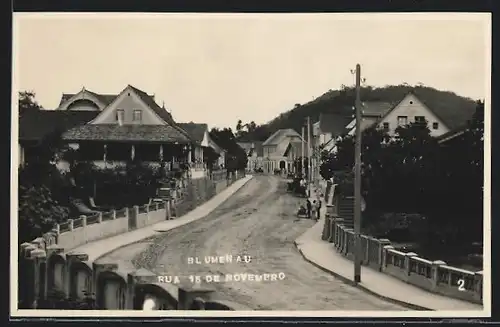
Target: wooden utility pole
309,165
357,182
303,168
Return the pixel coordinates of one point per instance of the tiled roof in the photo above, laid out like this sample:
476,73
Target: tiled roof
195,131
35,124
126,133
376,108
334,123
448,113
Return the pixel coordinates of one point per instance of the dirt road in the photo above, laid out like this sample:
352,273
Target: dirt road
258,222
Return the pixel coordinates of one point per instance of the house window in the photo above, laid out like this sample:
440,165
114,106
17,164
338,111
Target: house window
435,125
120,115
402,120
137,117
420,120
385,126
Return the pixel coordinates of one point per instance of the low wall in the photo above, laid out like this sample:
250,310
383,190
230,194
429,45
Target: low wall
48,264
74,280
379,254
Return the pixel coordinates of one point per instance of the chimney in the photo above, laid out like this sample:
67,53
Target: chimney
120,120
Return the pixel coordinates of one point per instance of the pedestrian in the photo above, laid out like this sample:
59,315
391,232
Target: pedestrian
314,209
319,209
309,208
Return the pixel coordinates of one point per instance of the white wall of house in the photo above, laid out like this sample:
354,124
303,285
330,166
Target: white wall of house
128,101
411,107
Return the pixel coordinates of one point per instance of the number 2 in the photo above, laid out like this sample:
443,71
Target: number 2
461,284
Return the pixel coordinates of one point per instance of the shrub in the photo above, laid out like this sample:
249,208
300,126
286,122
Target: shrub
38,212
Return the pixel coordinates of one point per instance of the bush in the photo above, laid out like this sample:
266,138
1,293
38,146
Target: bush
38,212
119,187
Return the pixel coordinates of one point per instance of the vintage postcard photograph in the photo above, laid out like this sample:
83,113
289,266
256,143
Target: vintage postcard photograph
239,165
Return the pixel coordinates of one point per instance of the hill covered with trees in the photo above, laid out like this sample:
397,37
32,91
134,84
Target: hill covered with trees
341,101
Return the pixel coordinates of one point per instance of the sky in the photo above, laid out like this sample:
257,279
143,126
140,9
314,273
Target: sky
218,68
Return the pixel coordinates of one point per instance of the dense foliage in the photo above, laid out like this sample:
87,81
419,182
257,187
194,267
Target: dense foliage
412,173
136,181
43,190
236,157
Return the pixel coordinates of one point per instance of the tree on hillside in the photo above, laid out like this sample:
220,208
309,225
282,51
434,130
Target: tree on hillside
236,158
239,125
27,101
251,127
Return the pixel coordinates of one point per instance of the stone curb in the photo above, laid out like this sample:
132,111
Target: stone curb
155,232
364,288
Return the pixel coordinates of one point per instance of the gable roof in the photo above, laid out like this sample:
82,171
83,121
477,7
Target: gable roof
279,135
104,98
296,146
36,124
447,113
195,131
247,146
334,123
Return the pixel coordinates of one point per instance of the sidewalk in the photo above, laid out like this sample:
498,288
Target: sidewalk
102,247
323,255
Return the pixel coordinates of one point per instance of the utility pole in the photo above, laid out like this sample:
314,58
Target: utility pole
309,164
357,182
303,168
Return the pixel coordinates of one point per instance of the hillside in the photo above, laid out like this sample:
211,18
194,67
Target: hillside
458,109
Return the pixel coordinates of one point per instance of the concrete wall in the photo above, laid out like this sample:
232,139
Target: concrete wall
379,254
47,263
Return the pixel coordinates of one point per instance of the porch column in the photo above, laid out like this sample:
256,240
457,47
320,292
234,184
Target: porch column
132,152
160,155
105,153
189,154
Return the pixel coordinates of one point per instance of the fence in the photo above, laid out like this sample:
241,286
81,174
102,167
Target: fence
379,254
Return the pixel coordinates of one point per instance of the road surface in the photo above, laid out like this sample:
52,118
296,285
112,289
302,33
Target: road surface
258,222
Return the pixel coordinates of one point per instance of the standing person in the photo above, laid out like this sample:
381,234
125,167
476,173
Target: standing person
314,209
309,208
319,208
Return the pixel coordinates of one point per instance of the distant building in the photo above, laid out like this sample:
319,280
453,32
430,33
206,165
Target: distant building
255,154
328,128
275,150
